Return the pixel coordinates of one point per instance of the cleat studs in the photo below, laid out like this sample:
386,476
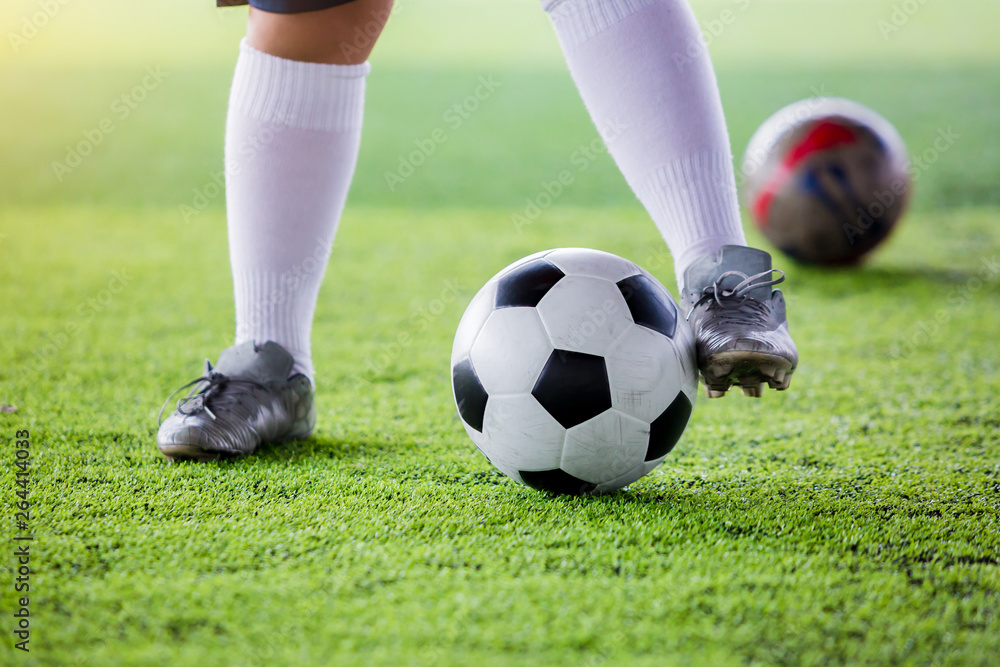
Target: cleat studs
753,391
782,384
769,371
716,392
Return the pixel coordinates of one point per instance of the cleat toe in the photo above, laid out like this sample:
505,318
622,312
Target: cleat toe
177,453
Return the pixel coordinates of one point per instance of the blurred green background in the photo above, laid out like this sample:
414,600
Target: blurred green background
937,69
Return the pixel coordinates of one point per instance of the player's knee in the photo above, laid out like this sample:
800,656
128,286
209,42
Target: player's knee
343,35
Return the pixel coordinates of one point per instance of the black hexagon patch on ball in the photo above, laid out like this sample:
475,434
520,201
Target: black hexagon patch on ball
573,387
470,395
666,429
556,481
525,286
649,305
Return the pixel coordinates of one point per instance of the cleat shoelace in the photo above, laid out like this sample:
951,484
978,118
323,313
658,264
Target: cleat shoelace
737,308
209,387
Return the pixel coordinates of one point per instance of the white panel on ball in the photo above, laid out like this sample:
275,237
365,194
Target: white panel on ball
480,440
584,314
633,475
649,466
643,371
522,435
594,263
606,447
476,314
510,351
687,355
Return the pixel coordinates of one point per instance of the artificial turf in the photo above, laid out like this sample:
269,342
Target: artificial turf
853,519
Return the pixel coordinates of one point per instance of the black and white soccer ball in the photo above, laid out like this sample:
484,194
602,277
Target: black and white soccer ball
573,371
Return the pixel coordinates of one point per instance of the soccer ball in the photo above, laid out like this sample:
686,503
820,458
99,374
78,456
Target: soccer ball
573,372
826,180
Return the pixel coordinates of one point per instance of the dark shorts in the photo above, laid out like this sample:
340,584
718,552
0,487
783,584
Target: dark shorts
284,6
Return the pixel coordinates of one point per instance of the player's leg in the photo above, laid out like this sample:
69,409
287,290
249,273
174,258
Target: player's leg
649,86
292,137
342,34
293,132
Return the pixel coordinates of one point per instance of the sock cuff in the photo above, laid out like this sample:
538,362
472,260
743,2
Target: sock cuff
579,20
694,198
310,96
278,306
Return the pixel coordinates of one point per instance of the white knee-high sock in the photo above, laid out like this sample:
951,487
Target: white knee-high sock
651,91
292,138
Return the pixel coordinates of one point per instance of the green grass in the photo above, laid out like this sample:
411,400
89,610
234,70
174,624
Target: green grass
850,520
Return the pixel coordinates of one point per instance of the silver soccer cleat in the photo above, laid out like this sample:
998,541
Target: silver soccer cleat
739,323
246,400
